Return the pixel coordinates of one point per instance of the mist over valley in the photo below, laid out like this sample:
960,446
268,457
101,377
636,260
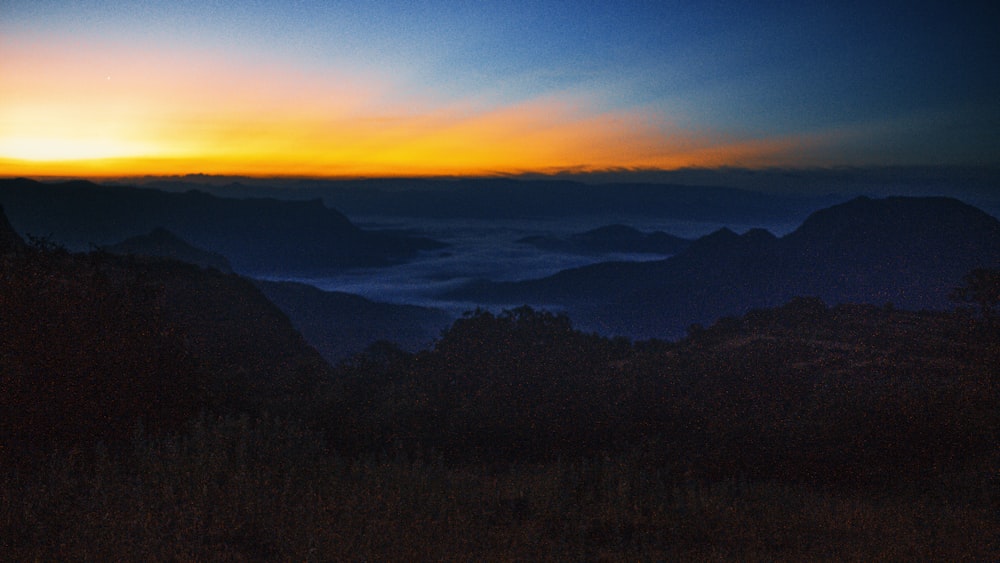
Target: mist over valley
477,250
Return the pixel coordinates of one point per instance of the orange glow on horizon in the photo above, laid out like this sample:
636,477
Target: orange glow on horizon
72,111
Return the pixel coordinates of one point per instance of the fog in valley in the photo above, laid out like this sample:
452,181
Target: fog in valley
490,250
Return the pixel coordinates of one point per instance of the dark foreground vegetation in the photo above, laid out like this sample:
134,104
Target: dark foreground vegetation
142,426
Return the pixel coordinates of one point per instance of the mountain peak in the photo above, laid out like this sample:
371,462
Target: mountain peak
164,244
758,235
721,239
724,234
897,217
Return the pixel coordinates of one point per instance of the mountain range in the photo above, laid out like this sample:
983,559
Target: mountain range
256,235
906,251
519,198
909,252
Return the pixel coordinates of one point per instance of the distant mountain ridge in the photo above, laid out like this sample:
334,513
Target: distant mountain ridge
340,325
909,252
520,198
256,235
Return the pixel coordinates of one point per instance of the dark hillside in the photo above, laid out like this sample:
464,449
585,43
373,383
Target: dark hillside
853,395
87,353
850,394
92,344
256,355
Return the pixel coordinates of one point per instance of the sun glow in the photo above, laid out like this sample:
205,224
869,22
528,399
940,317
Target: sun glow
49,149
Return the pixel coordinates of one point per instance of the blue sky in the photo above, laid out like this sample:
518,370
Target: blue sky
779,83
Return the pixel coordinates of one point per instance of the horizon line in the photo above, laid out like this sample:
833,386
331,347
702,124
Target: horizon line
562,174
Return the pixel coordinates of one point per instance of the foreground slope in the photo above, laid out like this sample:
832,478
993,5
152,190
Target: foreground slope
93,344
851,395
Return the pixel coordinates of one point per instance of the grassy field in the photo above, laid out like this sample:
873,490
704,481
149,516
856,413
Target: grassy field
237,489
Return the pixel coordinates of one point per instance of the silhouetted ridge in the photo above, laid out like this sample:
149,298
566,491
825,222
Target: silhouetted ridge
716,241
163,244
759,236
256,235
506,198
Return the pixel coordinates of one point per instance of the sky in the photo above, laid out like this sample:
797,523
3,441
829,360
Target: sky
329,89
